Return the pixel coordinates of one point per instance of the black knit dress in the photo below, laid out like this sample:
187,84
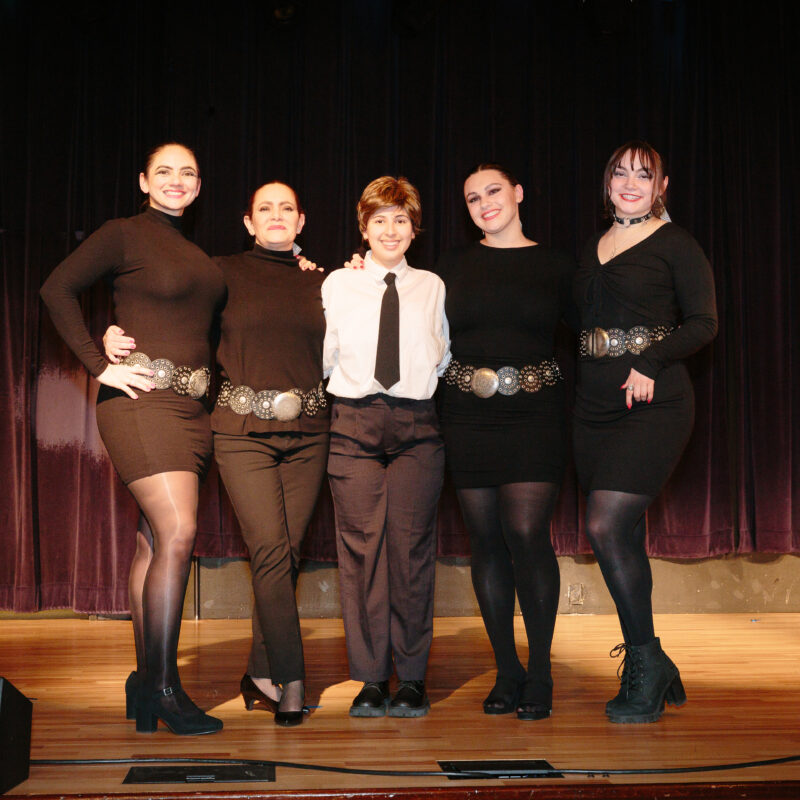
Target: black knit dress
503,306
664,280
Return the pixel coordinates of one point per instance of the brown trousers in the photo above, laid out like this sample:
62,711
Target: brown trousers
386,467
273,481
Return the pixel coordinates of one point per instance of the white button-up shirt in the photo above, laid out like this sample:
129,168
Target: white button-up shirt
352,302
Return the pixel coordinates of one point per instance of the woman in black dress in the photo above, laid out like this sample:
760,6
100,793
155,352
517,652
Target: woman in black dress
502,416
646,296
166,291
270,428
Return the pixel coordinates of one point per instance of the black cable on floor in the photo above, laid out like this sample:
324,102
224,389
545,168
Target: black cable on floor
545,773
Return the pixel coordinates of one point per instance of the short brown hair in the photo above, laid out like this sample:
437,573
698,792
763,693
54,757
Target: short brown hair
650,160
388,192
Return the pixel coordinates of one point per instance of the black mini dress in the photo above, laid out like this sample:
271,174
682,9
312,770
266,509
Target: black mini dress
503,306
664,281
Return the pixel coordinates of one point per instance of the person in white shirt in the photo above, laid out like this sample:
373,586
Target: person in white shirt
386,344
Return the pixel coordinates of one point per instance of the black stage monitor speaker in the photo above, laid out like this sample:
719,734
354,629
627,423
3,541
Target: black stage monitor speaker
15,736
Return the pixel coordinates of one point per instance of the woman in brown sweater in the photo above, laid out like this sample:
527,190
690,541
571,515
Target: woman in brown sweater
270,431
150,410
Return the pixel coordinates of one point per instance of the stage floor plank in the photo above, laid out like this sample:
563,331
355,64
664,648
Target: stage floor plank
741,673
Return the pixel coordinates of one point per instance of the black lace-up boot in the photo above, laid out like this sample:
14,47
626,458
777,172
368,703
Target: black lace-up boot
649,680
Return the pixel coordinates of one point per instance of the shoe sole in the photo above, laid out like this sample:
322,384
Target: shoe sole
635,719
497,711
358,711
408,712
530,716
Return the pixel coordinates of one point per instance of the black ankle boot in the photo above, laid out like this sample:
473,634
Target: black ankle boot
622,674
651,680
176,710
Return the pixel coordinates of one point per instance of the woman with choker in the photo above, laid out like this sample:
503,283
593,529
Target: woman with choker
502,414
151,414
646,297
270,428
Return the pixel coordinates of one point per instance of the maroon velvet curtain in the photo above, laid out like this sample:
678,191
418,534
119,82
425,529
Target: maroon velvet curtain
346,91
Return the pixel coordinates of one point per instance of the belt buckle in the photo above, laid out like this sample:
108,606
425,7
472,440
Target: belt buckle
288,405
485,382
597,342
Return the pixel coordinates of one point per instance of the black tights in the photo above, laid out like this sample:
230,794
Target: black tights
615,525
509,531
160,570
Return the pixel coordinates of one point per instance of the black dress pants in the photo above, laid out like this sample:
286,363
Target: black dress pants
273,481
386,468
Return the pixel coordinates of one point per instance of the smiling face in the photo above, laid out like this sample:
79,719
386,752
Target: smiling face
389,232
633,185
172,179
492,201
274,218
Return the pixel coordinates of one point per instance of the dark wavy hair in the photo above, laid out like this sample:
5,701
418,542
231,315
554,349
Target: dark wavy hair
650,160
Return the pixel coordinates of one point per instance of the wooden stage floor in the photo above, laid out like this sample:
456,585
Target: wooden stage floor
741,673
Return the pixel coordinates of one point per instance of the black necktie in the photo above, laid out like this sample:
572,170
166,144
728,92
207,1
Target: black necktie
387,356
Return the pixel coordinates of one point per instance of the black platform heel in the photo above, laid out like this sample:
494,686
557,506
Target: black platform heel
132,686
652,681
176,710
251,695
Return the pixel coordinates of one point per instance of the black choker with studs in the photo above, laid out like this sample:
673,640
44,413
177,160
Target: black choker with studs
632,220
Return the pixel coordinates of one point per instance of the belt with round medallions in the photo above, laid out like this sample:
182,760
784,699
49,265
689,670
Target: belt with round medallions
182,380
485,382
272,403
615,342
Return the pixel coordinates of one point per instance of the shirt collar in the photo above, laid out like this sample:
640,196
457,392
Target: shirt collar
379,273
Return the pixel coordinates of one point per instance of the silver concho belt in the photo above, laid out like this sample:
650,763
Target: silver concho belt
485,382
614,342
272,403
182,380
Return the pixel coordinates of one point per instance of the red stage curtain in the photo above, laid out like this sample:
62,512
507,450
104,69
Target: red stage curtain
351,90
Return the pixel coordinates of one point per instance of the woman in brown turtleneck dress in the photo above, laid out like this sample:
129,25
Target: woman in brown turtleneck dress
151,414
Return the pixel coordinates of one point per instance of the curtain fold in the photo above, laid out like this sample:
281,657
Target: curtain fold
343,92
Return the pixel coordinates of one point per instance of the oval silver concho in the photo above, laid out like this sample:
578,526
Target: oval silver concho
288,405
180,380
598,342
241,400
263,404
530,379
164,370
198,383
484,382
138,360
637,339
509,380
616,342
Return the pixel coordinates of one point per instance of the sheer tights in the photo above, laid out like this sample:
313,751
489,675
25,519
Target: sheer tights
615,525
160,571
509,530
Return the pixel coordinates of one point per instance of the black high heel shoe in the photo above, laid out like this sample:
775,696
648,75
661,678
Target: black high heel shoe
176,710
536,700
251,695
287,719
504,697
132,686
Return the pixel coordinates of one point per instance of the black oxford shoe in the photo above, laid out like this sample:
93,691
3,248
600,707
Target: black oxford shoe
410,700
372,700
